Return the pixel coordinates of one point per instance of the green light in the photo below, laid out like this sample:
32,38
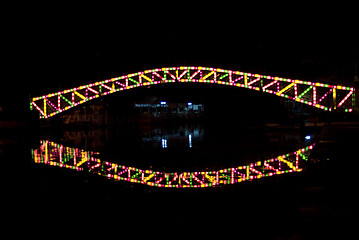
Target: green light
221,77
303,93
132,80
68,101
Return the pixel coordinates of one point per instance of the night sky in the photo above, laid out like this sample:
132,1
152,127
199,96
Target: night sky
52,48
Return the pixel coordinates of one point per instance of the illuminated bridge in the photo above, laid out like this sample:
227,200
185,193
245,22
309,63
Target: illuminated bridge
319,95
58,155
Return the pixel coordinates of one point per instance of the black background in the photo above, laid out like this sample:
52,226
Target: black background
48,48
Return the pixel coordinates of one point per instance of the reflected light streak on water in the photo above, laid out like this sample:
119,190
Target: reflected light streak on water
58,155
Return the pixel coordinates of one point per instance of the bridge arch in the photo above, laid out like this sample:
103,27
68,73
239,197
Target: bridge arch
319,95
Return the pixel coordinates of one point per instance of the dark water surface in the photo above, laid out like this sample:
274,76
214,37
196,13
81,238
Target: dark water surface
48,193
186,147
180,156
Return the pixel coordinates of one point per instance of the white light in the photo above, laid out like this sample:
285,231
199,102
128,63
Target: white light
163,103
190,140
164,143
189,104
308,137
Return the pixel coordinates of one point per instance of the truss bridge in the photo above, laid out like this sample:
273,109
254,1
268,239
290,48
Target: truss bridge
322,96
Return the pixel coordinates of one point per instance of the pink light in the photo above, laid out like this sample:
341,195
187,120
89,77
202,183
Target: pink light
278,86
193,75
107,87
172,76
34,104
321,99
254,81
345,98
270,84
51,104
182,74
118,83
237,79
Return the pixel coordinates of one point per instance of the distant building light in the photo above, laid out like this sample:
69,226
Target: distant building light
308,137
163,103
144,105
164,143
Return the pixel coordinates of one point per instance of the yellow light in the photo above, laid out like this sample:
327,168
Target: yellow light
209,74
147,78
285,89
80,95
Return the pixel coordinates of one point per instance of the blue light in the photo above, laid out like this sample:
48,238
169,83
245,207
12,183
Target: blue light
308,137
163,103
189,104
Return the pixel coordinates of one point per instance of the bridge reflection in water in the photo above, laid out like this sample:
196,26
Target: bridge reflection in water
55,154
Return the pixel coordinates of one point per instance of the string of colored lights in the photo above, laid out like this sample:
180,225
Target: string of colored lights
345,98
301,91
55,154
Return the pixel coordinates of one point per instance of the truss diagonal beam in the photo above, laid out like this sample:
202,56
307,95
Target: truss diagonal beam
285,89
